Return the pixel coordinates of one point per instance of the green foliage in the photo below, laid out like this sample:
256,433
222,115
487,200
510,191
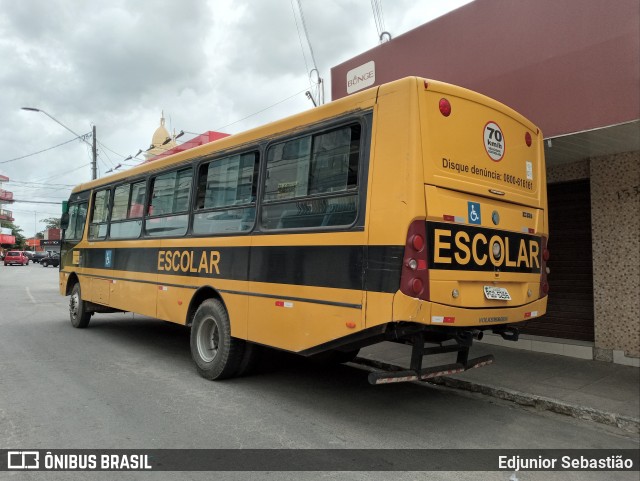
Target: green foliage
51,222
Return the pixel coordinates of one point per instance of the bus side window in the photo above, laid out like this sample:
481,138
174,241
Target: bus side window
312,181
169,203
226,195
126,215
77,219
99,215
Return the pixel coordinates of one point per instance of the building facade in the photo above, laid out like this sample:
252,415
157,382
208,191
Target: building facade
573,68
7,239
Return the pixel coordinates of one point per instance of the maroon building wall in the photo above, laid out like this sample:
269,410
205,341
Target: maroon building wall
568,65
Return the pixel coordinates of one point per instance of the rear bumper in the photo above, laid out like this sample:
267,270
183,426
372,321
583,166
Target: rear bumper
433,314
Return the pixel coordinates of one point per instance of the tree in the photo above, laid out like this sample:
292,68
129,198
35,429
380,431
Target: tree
51,222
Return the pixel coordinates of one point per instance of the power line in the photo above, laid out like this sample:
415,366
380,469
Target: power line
64,173
39,183
260,111
304,57
81,137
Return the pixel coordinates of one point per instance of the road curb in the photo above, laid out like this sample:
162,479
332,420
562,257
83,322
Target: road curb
541,403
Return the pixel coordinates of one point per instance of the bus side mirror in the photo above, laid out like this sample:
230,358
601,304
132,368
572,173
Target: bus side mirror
64,221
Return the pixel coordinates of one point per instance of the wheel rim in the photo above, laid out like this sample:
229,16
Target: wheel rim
74,302
208,339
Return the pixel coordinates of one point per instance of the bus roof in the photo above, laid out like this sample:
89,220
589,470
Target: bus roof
363,100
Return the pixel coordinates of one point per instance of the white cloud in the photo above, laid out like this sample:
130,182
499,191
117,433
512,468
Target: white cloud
118,64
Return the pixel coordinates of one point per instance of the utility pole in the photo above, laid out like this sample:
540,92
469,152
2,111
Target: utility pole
94,150
94,158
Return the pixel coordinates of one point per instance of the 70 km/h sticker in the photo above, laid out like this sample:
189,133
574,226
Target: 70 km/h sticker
494,141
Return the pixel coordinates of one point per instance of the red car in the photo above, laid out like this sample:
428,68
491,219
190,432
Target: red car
16,257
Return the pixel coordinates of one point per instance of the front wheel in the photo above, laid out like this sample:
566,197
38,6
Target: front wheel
217,355
78,313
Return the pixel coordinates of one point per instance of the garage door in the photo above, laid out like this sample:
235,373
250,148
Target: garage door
570,309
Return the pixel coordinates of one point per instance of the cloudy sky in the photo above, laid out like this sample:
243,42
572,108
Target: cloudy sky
209,65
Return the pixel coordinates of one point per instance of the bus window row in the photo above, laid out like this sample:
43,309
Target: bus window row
309,181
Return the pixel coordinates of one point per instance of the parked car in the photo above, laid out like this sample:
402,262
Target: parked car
52,260
16,257
29,254
38,256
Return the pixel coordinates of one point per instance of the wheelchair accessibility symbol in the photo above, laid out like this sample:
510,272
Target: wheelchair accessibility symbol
108,258
474,212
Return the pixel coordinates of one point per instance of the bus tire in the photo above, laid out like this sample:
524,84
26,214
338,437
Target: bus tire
216,354
78,313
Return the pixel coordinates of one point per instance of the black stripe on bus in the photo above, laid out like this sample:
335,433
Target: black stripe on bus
371,268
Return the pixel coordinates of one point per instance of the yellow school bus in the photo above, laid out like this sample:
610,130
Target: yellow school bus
414,212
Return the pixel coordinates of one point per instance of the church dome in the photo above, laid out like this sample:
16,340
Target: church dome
157,141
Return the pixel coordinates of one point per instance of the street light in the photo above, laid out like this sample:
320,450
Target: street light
94,150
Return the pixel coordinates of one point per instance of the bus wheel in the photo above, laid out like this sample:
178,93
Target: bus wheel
217,355
78,314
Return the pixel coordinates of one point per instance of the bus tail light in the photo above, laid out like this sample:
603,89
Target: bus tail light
544,284
527,139
445,107
414,281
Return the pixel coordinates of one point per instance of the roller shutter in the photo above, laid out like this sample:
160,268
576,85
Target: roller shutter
570,309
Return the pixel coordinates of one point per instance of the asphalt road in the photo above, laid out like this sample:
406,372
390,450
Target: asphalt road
129,382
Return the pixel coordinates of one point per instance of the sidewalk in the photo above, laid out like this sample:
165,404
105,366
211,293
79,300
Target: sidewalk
598,391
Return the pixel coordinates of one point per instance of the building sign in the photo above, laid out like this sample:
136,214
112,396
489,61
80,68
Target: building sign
48,243
7,239
361,77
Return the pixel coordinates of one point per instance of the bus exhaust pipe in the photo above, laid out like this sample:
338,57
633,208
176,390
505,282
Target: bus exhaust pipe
508,333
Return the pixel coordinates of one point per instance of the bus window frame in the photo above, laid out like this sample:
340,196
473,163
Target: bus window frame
151,176
365,120
130,183
110,188
75,203
199,163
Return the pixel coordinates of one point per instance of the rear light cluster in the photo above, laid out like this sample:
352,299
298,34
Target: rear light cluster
527,139
445,107
414,281
544,285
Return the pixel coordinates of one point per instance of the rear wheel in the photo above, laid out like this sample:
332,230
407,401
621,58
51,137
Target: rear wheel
78,312
217,355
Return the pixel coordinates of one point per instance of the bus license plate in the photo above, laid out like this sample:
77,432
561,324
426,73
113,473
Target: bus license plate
496,293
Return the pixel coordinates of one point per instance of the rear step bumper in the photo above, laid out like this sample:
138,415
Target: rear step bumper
386,377
463,341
